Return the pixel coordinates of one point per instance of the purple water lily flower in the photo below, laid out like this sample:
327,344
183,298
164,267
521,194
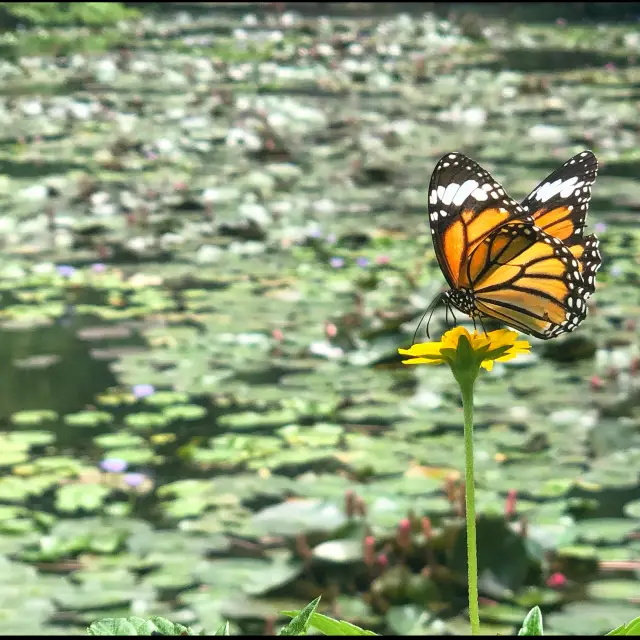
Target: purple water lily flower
98,267
336,262
363,261
143,390
113,465
65,270
134,479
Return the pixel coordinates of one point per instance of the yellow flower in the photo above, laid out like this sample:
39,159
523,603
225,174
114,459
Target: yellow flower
466,354
486,348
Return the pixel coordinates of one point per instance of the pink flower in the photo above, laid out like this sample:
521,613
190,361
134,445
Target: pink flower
510,504
403,536
369,551
557,580
330,330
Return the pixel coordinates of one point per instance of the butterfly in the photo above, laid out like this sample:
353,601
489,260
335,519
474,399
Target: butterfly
527,265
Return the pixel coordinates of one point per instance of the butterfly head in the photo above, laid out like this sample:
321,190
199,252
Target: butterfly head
461,299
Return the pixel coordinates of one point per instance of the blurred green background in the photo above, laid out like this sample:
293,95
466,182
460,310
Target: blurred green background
214,239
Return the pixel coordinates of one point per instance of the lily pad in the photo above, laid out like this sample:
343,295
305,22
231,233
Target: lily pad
34,418
252,421
299,516
146,420
118,440
340,551
624,590
588,618
81,497
88,419
605,530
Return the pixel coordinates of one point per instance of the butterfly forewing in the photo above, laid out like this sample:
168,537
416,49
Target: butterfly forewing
559,204
466,204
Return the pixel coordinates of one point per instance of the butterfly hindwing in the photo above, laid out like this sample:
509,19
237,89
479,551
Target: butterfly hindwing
559,204
530,281
587,252
466,204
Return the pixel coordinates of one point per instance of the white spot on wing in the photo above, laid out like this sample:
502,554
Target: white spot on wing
465,190
480,195
570,188
449,193
549,190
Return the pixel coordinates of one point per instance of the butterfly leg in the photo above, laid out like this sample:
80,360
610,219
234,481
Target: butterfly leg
453,315
482,325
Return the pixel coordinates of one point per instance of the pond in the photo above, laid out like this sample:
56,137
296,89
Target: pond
215,238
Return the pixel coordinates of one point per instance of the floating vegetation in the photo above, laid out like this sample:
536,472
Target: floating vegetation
215,239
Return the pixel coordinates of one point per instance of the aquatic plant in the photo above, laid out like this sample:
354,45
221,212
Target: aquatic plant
299,625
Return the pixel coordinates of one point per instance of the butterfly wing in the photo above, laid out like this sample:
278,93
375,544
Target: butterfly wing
466,205
587,252
559,204
529,280
527,265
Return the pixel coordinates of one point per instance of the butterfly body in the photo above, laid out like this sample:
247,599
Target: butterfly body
525,264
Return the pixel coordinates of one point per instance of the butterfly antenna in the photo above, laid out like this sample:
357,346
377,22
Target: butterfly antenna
430,309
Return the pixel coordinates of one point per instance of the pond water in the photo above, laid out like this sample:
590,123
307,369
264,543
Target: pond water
214,239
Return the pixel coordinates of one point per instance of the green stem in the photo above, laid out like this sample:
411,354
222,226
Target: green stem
466,388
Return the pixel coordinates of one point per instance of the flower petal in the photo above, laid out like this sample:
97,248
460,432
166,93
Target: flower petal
422,349
479,349
423,361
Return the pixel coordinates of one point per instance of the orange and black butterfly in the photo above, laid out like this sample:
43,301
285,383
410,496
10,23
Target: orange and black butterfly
526,264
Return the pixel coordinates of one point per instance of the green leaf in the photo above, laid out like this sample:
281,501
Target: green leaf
301,621
138,627
330,627
532,625
168,628
630,629
75,497
223,630
120,627
88,418
33,417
